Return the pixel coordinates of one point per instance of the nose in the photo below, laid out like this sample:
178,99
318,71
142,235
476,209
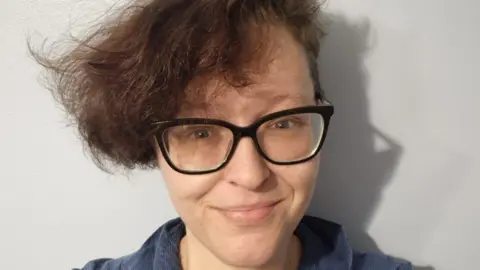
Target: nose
247,168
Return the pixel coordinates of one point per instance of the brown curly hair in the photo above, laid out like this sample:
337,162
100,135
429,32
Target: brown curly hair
136,68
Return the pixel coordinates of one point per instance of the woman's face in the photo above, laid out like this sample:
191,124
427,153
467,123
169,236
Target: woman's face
246,212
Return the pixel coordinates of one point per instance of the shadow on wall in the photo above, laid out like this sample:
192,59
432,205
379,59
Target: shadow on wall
353,171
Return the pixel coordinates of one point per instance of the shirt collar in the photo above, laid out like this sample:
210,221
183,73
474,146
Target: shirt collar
324,245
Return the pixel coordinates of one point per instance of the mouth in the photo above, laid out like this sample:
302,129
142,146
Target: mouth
247,215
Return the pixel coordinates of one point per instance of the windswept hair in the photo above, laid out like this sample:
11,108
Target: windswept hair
136,68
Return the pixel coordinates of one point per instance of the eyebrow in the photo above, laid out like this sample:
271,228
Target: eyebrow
209,110
281,98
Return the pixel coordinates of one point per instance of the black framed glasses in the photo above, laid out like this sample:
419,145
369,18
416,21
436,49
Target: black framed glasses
201,145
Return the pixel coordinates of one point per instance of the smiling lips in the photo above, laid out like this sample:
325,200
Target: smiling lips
249,214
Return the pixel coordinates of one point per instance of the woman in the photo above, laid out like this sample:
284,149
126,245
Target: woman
222,96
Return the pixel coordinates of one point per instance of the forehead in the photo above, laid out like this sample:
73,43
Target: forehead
284,79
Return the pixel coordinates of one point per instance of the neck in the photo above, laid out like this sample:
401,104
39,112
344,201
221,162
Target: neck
195,256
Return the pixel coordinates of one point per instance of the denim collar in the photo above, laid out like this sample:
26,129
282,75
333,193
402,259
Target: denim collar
324,245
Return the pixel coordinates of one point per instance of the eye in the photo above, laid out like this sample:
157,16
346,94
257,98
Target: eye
289,122
284,124
199,134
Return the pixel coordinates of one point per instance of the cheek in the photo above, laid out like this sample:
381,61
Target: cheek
300,181
185,191
301,176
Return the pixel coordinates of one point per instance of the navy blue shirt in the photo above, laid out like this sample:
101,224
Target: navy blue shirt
324,247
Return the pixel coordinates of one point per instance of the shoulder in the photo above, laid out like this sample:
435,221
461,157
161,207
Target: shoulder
326,246
143,259
158,252
371,261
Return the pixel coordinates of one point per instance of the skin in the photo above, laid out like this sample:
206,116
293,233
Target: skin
214,242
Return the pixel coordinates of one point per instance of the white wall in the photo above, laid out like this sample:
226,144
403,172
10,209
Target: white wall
401,169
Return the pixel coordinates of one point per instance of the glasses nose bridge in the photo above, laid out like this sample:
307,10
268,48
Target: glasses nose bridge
242,132
248,131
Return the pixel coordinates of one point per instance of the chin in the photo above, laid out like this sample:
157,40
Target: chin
250,249
248,254
250,244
